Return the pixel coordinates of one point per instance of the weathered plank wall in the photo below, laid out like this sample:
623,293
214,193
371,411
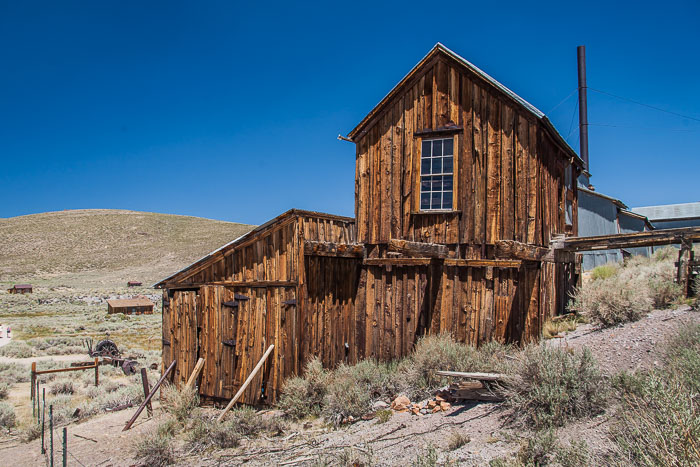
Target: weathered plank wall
509,175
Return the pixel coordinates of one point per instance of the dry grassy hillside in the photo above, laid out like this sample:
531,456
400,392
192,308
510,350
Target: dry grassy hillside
106,246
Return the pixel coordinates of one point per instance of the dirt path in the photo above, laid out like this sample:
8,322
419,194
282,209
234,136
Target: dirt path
632,346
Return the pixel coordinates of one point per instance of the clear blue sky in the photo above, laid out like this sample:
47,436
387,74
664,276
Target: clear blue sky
231,110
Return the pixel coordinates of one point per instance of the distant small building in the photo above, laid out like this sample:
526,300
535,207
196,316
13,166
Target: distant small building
671,216
130,306
21,288
133,284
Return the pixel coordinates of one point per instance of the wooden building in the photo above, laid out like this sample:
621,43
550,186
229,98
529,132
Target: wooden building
133,284
130,306
460,187
21,288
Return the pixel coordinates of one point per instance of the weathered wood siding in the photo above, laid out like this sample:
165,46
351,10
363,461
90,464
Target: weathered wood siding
509,174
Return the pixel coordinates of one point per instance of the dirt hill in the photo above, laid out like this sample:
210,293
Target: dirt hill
114,245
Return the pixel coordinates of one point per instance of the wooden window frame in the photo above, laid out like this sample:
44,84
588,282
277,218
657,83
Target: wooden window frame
426,135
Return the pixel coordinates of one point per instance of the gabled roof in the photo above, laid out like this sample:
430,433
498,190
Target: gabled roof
670,211
615,201
440,49
219,252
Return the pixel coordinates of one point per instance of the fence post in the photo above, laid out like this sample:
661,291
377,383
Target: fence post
146,390
43,423
65,446
97,371
33,382
38,405
51,434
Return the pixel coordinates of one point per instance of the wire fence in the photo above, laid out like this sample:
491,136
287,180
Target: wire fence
52,454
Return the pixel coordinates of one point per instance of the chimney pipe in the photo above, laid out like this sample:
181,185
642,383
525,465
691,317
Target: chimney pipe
583,106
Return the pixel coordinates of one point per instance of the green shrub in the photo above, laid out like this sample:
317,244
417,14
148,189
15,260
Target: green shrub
427,459
604,272
539,449
4,390
154,449
303,396
416,375
248,422
637,287
549,387
352,389
7,415
659,421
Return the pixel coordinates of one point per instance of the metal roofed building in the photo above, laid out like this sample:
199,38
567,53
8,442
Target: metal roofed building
669,216
599,214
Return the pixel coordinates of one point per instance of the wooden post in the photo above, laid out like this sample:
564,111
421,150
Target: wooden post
65,446
150,395
51,434
195,373
247,382
97,371
683,273
33,382
43,422
146,390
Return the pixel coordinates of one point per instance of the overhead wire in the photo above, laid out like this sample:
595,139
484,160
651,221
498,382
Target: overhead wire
644,105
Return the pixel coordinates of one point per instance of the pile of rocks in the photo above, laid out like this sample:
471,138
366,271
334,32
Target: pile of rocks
435,405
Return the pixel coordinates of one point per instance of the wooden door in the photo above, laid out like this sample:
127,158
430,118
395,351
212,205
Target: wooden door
182,323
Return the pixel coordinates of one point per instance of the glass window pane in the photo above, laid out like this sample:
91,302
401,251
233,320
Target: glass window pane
447,200
447,165
437,148
425,183
447,147
437,165
425,167
425,200
426,149
437,183
435,201
447,182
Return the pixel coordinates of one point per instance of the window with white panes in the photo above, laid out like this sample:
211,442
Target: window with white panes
436,173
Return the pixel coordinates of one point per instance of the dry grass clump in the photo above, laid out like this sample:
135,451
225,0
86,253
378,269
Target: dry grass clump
207,433
13,373
565,323
64,386
637,287
605,271
4,390
155,449
351,390
549,387
303,396
7,415
457,440
659,421
17,349
180,402
415,375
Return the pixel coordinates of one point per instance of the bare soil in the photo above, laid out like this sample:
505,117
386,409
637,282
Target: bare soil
400,440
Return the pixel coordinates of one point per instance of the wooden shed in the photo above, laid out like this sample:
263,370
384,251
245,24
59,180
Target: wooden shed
21,288
130,306
460,186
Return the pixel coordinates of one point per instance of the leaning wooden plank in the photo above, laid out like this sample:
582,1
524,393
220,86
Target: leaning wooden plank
247,382
478,376
150,396
195,373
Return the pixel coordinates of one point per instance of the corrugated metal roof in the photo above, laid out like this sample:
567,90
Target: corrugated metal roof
670,211
127,302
